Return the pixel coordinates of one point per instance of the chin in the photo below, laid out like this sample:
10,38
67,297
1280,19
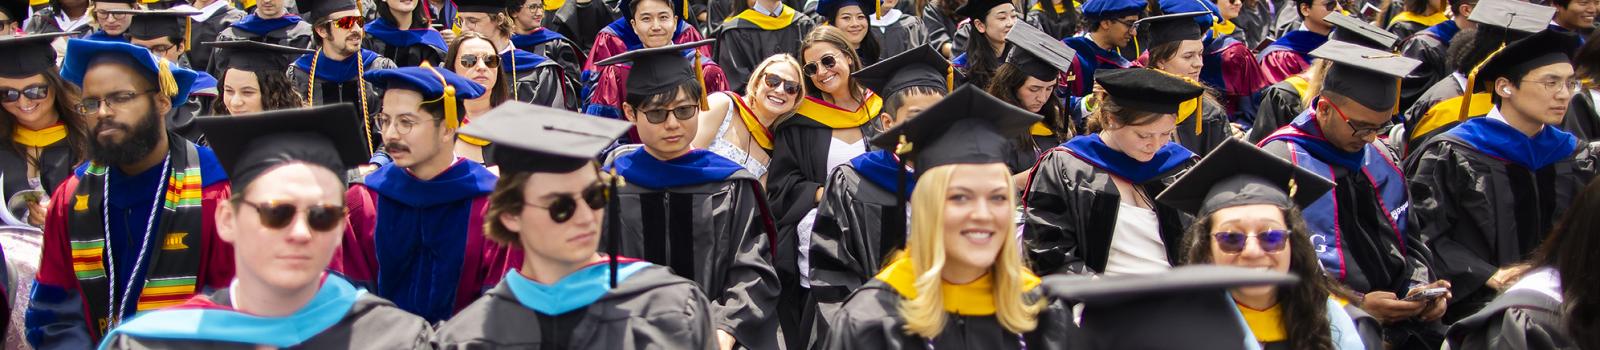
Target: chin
285,278
1256,291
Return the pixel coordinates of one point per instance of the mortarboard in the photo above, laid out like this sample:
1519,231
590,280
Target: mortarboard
967,127
319,10
1351,30
830,8
1515,15
1147,90
256,56
1102,8
433,83
1038,54
532,138
1369,76
31,54
248,145
978,9
658,70
1542,49
1238,173
481,6
1184,6
1173,28
920,66
155,24
1186,307
173,82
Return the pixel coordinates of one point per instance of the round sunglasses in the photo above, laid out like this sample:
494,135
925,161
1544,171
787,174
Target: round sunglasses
827,62
1234,242
33,92
277,216
490,61
564,205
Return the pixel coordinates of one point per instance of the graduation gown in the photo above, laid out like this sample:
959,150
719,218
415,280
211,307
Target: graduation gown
202,94
898,32
611,86
420,243
407,48
1483,196
554,46
750,37
55,161
701,215
1529,316
1091,57
1268,328
649,308
871,318
1070,203
1289,55
288,30
855,229
581,21
1429,46
618,37
1204,129
341,82
206,27
539,80
1407,23
44,21
1061,23
944,29
364,321
1583,117
1280,104
1231,68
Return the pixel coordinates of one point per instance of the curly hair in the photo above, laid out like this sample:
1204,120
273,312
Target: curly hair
64,99
277,92
1305,305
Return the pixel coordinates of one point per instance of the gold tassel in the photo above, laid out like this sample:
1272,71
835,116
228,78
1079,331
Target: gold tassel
361,94
188,32
879,12
451,120
950,78
311,80
700,77
455,26
904,147
1472,79
169,84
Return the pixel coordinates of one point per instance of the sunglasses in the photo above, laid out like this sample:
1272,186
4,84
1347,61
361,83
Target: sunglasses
348,22
33,92
660,115
827,61
490,61
1234,242
774,82
562,208
276,216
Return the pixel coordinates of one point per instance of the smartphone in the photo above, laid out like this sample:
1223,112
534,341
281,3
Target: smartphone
1426,294
437,26
1368,10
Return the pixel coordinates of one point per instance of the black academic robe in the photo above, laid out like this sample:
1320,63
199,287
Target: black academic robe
206,31
1071,211
580,22
560,49
1213,128
372,323
742,45
297,35
905,34
55,166
328,92
1428,46
1478,213
1518,320
1583,117
871,319
652,309
849,238
544,83
1058,25
1280,104
405,56
1446,88
942,29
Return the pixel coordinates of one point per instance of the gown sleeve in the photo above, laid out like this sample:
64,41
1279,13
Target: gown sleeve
357,251
1278,107
1279,65
791,192
1435,175
1051,231
747,309
843,256
546,85
56,318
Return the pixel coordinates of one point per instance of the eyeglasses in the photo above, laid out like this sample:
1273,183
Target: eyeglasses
490,61
1358,132
100,14
827,61
161,49
659,116
562,208
1234,242
32,92
1126,22
92,105
1330,5
277,216
401,125
348,22
775,82
1568,85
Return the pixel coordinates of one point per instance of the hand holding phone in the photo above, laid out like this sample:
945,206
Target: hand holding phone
1426,294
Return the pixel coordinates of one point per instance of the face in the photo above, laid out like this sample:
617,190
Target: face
1578,14
1120,31
669,138
269,9
27,110
1251,219
1542,95
1034,93
998,23
112,24
1230,8
976,208
163,47
853,22
833,80
411,135
295,256
1141,141
241,92
1187,61
401,6
773,99
479,23
129,122
654,22
571,242
530,15
1362,127
479,71
347,41
910,106
1320,9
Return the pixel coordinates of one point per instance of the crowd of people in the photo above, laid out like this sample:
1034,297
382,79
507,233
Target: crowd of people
788,174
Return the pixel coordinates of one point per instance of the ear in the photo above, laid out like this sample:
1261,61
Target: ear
1502,87
225,221
163,106
1464,10
511,221
627,111
978,25
885,121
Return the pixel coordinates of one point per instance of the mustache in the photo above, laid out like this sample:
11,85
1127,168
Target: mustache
395,147
107,124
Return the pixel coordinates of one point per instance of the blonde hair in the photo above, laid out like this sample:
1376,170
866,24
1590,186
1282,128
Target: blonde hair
925,315
1315,75
759,73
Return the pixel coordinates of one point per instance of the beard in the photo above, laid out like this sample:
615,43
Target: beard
140,141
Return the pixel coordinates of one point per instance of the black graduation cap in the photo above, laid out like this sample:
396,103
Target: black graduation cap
535,138
921,66
256,56
153,24
658,70
1186,307
318,10
1172,28
830,8
1147,89
967,127
1542,49
1369,76
30,54
978,9
1352,30
1038,54
1515,15
1238,173
481,6
248,145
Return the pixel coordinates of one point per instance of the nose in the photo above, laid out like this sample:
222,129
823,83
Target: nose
584,216
299,230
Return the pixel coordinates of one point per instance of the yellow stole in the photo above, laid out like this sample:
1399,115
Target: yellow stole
39,138
552,5
784,19
971,299
1060,7
1039,129
1428,20
1224,28
1266,325
837,118
752,124
1301,86
1449,111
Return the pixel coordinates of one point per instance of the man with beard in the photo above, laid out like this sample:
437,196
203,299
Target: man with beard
333,74
133,229
269,22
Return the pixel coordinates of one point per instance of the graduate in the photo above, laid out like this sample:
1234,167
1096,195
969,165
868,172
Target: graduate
896,31
1431,46
285,164
48,135
441,13
743,134
529,34
861,219
1583,116
961,279
333,74
1108,27
1498,23
535,79
111,26
58,17
580,20
215,16
144,186
1574,17
271,23
644,26
1188,307
947,31
767,28
1524,172
1291,53
1176,43
1284,100
416,225
991,20
402,35
1230,66
1062,20
565,294
163,33
254,81
850,16
1033,71
691,209
1418,15
1089,205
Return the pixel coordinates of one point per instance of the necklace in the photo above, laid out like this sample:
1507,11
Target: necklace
114,311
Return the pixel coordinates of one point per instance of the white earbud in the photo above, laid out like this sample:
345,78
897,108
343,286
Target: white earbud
1506,90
